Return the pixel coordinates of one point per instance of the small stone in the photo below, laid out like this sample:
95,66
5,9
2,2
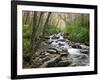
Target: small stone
47,54
76,45
63,58
53,55
84,51
58,49
52,62
55,37
64,63
46,59
84,47
52,51
46,37
64,54
62,40
60,44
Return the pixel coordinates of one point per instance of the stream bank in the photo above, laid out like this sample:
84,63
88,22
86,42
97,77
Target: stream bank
56,51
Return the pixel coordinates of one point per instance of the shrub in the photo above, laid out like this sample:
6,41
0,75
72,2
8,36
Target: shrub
77,33
53,29
26,37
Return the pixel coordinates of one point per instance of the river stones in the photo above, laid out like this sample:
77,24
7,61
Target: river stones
80,46
55,37
47,58
52,50
76,45
64,58
62,40
52,62
62,52
47,54
84,46
64,63
85,51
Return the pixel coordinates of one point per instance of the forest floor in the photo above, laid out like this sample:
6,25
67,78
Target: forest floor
57,51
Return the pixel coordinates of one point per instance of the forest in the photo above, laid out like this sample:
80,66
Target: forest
55,39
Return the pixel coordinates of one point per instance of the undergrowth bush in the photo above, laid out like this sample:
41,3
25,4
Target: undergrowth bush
26,37
53,29
77,33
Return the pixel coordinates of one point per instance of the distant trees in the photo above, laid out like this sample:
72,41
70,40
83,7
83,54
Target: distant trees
37,21
37,29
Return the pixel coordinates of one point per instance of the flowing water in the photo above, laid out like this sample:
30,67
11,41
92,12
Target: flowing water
57,41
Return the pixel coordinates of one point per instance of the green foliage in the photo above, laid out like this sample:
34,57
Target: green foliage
78,30
53,29
26,31
26,37
26,43
77,33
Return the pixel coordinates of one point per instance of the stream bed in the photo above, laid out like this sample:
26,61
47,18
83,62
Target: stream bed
61,52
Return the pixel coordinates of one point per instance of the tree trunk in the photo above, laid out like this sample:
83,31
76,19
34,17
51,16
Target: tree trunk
46,23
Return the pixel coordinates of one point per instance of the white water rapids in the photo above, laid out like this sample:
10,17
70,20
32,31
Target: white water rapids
58,42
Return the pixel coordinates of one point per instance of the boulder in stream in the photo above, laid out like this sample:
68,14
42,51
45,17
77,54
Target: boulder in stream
64,63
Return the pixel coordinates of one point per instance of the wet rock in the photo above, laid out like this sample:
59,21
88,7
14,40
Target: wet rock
47,54
47,58
84,47
67,40
62,40
36,62
85,51
79,60
59,49
51,63
52,50
54,44
64,58
46,37
85,59
64,54
53,55
54,37
65,48
77,45
60,44
64,63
